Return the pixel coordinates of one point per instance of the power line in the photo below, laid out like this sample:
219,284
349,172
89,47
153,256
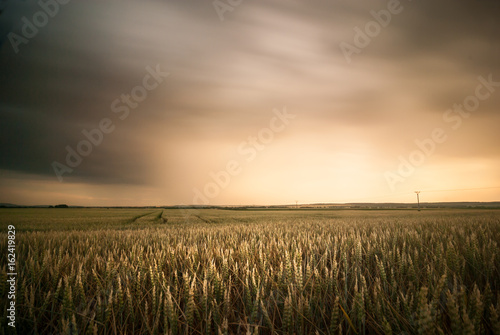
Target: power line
423,191
462,189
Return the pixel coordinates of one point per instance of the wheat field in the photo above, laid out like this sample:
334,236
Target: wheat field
154,271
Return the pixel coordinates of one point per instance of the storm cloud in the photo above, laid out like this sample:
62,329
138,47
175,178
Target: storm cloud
354,118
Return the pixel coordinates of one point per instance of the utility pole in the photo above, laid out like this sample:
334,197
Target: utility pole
418,199
296,204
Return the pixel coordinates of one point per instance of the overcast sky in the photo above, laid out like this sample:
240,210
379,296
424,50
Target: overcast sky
279,101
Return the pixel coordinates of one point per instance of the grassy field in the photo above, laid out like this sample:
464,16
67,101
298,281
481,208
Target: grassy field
154,271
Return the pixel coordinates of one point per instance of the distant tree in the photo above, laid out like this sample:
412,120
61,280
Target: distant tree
61,206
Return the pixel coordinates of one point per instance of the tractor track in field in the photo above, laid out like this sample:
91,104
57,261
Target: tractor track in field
160,216
137,217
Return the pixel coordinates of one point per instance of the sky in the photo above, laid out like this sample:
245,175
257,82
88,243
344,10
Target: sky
226,102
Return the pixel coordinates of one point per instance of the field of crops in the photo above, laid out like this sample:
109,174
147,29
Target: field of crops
152,271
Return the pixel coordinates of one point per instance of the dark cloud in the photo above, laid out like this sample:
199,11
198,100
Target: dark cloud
226,77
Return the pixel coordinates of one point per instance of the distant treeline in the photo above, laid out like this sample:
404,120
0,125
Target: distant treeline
369,206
